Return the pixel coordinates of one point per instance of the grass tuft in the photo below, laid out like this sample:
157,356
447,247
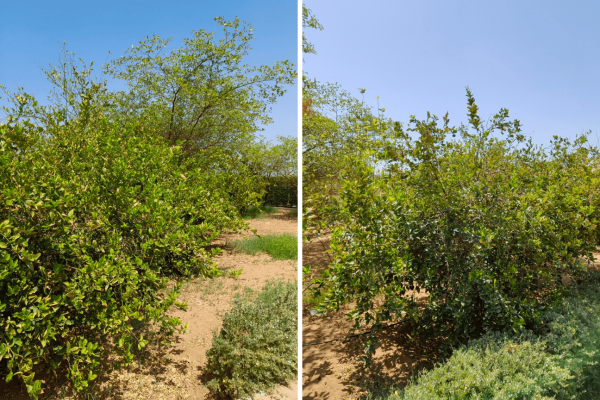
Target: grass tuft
280,247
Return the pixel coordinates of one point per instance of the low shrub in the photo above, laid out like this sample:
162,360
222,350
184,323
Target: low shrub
560,360
280,247
257,348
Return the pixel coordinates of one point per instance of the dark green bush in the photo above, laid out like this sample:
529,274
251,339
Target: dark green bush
282,191
490,228
94,216
257,348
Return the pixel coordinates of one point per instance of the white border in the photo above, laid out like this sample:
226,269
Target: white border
299,206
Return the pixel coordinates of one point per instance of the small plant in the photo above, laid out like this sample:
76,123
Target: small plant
235,273
280,247
257,347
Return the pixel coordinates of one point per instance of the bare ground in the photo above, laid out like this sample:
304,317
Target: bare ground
177,371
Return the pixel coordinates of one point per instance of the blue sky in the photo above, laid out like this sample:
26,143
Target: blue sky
31,31
539,59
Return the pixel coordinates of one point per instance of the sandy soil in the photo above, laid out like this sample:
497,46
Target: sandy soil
177,371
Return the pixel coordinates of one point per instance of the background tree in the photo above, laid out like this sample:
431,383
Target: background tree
200,95
335,124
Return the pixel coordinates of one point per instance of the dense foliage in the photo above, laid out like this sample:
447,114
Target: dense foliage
108,201
490,228
282,192
559,360
257,348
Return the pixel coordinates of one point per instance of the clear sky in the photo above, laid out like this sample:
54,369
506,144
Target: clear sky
539,59
30,33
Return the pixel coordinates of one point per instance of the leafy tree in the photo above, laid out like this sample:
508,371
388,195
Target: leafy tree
109,201
309,21
201,94
335,124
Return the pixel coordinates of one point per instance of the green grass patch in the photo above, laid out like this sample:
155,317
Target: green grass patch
256,350
259,212
280,247
559,360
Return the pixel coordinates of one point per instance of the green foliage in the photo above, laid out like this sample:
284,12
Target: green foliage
109,201
280,247
309,21
258,212
202,95
235,273
558,362
282,191
495,367
92,224
489,228
257,348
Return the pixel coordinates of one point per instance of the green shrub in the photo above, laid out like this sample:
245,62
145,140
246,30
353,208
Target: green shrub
257,348
280,247
488,227
495,367
94,217
282,191
559,361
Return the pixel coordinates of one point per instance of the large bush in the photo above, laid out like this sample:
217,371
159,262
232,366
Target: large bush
257,348
94,216
489,228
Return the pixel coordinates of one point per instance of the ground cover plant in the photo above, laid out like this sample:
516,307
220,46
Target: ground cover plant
280,247
105,211
257,347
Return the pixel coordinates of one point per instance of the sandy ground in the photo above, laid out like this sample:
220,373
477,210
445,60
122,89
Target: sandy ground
177,371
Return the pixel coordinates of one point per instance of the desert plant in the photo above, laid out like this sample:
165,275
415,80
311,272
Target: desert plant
257,347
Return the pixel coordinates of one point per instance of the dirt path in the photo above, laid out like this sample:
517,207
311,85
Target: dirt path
176,372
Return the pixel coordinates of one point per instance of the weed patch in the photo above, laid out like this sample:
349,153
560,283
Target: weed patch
280,247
